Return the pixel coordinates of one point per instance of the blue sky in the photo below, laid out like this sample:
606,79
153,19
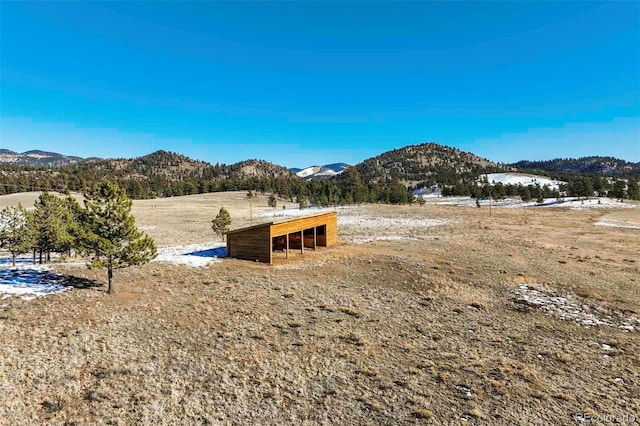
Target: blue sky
313,83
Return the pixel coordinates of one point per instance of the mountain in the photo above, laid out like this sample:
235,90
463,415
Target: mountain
158,174
605,166
37,158
426,164
258,169
175,167
320,172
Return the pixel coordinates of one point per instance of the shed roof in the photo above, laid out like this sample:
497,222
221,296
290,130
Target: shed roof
277,222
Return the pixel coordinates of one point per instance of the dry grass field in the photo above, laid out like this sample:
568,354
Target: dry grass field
421,315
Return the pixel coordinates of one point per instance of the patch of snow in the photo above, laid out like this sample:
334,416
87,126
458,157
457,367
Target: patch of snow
377,222
468,392
523,179
617,224
309,171
21,262
570,308
30,283
195,255
573,203
382,238
598,203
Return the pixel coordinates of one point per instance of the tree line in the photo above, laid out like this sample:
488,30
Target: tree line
576,186
347,188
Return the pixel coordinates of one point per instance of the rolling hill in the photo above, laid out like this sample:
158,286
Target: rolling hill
161,173
428,163
605,166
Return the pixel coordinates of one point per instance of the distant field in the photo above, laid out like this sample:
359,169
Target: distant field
431,315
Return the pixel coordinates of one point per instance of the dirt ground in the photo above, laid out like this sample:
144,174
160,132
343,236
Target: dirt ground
418,316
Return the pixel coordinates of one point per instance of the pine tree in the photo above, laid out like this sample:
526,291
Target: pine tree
52,220
619,190
633,191
273,202
15,234
525,194
222,223
109,234
302,202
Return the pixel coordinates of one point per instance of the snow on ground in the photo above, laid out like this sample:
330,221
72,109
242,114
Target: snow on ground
617,224
29,283
196,255
573,203
358,226
523,179
363,240
380,222
572,308
598,203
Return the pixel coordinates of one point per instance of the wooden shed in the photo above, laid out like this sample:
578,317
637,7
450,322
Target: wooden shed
261,242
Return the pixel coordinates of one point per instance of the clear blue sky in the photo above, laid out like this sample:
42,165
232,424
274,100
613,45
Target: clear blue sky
312,83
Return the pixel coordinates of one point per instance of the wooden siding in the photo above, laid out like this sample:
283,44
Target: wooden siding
250,244
255,242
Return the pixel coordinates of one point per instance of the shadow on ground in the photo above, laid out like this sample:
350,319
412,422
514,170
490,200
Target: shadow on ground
214,252
36,282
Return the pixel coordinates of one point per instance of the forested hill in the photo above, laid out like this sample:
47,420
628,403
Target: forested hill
427,164
159,174
604,166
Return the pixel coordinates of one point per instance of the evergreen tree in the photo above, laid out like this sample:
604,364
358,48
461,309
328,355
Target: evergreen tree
53,222
15,234
619,190
302,202
633,192
273,202
109,234
525,194
222,223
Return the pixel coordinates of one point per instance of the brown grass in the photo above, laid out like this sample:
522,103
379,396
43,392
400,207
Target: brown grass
390,332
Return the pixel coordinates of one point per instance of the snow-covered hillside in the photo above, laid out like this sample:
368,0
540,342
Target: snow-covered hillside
523,179
309,171
321,172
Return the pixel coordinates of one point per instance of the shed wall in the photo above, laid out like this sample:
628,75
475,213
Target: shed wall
252,244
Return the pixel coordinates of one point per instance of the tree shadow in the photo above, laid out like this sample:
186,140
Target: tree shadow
79,283
37,282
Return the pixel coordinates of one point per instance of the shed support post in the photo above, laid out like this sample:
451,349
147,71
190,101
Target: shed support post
287,254
314,238
302,242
